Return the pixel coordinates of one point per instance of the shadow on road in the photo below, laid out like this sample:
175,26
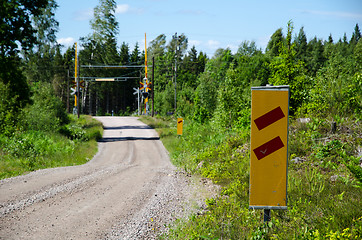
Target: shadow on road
117,139
127,127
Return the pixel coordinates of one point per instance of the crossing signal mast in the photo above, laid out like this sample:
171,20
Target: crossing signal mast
145,85
79,82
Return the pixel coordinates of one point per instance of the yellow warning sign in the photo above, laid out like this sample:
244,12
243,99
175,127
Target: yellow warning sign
180,123
269,147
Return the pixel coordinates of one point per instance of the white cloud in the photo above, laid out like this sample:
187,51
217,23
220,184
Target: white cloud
213,44
122,8
125,8
66,41
194,43
234,48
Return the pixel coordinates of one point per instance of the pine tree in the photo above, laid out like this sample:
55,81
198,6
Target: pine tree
330,39
275,43
124,54
102,44
356,36
135,55
105,29
287,70
315,59
301,45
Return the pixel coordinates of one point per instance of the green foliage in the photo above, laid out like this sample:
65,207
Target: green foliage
46,113
8,110
36,143
213,95
13,77
324,185
287,70
30,150
275,43
323,192
233,99
337,90
15,25
82,129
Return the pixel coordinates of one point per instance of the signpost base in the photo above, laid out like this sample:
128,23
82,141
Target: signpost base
267,215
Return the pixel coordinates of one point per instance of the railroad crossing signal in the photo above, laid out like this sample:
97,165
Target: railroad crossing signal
145,95
145,86
136,91
74,91
269,147
81,84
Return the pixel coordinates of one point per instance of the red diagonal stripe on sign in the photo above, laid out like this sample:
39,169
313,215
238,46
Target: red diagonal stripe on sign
269,118
268,148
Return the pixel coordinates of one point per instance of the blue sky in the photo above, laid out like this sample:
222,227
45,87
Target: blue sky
213,24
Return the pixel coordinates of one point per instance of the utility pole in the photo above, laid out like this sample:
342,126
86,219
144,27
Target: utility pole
90,100
68,79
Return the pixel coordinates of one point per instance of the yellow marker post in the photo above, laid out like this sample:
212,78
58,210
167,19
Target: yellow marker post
180,123
269,147
76,96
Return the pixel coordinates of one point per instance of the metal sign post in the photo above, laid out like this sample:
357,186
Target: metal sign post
269,148
137,91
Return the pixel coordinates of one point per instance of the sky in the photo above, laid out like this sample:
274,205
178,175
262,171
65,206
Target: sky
213,24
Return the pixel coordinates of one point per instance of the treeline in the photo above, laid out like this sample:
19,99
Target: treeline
324,76
36,76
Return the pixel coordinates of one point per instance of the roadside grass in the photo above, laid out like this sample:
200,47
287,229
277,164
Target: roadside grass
324,181
74,144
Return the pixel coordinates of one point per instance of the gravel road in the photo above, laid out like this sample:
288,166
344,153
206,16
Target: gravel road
129,190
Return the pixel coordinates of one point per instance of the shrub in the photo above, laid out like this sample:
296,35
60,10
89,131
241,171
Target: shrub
46,113
8,111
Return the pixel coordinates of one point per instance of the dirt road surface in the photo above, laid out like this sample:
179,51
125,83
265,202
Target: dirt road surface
129,190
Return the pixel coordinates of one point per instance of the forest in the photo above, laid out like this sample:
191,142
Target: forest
213,94
324,75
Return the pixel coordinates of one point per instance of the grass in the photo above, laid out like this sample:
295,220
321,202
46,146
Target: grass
324,187
74,144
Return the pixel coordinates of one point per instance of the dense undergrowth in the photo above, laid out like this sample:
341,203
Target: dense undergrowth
74,143
324,181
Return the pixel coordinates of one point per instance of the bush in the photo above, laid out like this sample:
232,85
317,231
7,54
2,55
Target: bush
85,128
36,143
25,151
8,111
46,113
